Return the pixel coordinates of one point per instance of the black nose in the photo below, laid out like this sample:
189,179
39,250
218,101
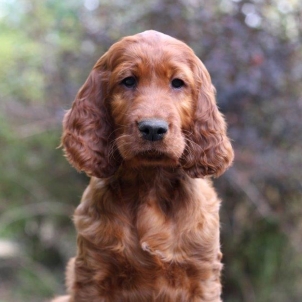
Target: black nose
153,130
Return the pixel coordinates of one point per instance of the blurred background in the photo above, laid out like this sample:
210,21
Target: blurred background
252,49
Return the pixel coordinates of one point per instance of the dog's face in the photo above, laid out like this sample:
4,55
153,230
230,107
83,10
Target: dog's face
148,101
151,98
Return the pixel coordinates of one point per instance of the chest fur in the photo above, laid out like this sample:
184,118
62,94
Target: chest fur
154,238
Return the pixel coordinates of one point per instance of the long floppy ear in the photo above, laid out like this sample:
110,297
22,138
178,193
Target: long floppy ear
208,149
88,133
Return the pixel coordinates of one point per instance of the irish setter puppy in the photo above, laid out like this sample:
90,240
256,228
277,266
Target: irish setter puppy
146,128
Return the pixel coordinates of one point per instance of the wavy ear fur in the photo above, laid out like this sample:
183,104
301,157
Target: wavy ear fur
208,149
88,127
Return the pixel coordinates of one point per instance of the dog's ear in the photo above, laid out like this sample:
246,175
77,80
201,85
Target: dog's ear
88,133
208,149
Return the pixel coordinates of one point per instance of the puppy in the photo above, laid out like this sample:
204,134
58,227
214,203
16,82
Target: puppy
146,128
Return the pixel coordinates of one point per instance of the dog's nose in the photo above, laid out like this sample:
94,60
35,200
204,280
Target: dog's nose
153,130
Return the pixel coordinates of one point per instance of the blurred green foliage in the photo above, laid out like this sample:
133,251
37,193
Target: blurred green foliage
253,50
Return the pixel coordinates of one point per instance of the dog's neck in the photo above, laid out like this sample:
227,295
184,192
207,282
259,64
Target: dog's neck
163,185
149,176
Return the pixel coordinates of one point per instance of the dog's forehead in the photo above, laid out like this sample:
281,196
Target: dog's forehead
152,39
150,45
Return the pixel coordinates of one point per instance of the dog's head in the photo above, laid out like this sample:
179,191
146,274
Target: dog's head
148,101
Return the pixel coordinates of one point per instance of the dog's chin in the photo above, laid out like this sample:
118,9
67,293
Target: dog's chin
151,158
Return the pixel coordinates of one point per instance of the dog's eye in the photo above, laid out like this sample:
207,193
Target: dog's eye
129,82
177,83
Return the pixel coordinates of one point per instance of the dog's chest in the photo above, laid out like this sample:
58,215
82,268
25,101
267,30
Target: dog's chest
146,242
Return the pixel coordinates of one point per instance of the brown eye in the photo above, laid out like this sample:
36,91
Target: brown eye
177,83
129,82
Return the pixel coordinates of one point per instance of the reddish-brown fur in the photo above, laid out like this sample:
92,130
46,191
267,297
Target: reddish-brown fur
148,223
